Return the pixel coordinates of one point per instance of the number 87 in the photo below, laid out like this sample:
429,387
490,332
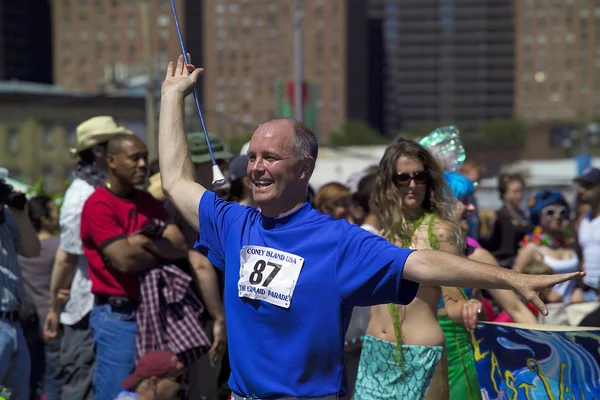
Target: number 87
257,276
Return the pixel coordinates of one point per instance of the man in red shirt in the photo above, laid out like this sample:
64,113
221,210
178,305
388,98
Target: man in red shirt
117,224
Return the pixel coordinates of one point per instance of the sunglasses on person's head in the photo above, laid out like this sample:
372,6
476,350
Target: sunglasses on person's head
552,211
404,178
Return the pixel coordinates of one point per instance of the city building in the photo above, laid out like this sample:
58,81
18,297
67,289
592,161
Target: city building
37,128
99,44
25,41
448,61
249,63
557,60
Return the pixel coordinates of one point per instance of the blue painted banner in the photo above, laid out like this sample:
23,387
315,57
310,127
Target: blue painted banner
516,363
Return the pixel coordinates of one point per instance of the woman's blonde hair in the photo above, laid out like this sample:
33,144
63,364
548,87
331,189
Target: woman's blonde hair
330,195
387,202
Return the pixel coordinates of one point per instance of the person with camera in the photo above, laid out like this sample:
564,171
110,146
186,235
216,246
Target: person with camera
17,237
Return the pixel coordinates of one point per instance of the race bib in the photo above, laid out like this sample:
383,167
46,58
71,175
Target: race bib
269,275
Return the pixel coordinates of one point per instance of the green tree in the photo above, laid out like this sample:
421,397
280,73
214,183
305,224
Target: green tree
38,189
357,133
236,143
504,132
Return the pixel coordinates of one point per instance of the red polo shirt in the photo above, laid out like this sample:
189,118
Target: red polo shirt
106,218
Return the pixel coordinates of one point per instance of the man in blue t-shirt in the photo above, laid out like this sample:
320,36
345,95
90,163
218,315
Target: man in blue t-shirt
292,274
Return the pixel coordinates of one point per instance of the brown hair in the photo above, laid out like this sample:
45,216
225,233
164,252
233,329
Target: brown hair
469,166
387,202
505,179
330,195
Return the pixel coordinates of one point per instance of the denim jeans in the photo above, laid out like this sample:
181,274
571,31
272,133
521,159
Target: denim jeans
114,336
14,359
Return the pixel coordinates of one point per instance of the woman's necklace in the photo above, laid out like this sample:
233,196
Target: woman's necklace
541,238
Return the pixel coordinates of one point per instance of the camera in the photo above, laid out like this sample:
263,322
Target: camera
8,196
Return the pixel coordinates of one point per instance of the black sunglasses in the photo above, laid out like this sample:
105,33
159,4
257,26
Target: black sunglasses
404,178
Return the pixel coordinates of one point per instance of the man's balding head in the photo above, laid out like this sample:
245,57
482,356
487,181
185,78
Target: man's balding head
304,141
116,142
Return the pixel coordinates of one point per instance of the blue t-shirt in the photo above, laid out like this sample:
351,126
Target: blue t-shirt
299,350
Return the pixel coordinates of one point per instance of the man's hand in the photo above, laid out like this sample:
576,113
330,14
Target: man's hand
181,78
470,314
530,286
217,350
51,326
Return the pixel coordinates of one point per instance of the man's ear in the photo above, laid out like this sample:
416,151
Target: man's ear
110,161
308,167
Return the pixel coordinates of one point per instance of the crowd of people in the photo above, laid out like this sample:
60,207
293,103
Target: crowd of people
250,287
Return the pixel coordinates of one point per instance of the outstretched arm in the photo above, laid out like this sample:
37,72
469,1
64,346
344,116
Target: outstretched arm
438,268
507,299
176,167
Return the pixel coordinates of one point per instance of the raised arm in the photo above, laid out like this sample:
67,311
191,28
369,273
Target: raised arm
438,268
176,167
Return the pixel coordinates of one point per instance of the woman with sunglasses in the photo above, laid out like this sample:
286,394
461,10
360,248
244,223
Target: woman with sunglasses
404,344
552,243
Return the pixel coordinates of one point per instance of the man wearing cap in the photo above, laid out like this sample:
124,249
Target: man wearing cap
589,232
209,280
70,266
157,376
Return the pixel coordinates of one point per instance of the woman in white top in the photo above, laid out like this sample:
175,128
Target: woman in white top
552,243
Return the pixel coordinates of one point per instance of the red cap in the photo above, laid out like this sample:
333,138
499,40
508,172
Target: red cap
156,363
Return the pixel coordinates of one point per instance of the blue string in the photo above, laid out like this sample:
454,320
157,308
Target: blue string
185,57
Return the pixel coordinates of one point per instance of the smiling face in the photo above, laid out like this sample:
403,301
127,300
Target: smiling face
411,181
553,217
279,179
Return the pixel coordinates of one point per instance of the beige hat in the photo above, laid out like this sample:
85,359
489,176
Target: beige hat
94,131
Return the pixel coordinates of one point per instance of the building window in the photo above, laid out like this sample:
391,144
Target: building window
12,141
47,138
72,134
164,34
163,20
132,50
47,176
130,33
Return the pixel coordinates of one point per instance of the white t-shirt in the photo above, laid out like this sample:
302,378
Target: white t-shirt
81,300
589,240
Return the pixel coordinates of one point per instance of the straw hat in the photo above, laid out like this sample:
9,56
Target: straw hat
94,131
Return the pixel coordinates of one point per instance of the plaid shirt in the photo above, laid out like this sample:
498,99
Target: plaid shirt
168,315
